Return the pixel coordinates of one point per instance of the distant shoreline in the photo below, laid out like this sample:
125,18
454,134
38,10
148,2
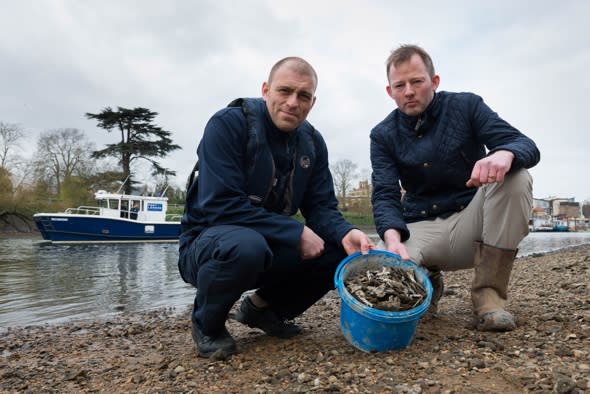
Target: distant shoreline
20,234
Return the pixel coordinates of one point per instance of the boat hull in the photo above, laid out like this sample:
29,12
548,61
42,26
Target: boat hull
67,228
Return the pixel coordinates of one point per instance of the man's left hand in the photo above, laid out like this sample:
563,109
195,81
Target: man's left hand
356,240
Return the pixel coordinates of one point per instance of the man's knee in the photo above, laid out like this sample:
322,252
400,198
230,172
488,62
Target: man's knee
231,248
248,250
519,182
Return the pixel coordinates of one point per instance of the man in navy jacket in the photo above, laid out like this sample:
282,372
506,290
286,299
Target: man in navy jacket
259,163
467,195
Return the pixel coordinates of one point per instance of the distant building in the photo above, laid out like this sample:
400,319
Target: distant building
360,197
557,211
567,209
362,191
541,206
559,208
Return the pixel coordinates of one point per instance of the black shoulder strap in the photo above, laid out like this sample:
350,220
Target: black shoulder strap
255,133
192,176
254,140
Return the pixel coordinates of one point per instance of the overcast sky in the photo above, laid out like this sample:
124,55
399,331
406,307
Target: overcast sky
529,60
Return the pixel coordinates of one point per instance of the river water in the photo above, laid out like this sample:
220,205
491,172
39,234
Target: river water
42,283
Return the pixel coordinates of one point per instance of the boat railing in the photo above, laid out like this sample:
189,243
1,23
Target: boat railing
83,210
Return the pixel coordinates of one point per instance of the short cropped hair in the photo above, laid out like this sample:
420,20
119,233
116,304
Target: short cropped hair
296,63
404,53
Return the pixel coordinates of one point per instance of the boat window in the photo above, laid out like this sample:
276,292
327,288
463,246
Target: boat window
113,203
135,208
124,208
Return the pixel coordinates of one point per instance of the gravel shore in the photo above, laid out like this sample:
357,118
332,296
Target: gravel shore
153,352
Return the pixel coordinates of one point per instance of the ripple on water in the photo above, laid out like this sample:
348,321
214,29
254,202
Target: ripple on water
43,283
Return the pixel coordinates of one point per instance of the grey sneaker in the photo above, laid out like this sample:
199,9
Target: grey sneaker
222,345
438,288
266,320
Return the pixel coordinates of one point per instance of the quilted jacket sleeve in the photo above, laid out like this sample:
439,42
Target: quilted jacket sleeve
497,134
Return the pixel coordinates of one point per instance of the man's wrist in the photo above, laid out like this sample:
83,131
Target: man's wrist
392,235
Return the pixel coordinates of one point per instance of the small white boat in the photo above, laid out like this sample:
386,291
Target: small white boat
115,218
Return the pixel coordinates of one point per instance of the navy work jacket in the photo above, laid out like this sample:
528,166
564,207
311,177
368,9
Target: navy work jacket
237,173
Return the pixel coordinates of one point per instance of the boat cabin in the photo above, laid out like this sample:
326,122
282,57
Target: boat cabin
141,208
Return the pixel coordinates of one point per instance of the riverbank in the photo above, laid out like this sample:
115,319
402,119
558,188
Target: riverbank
21,234
154,352
13,224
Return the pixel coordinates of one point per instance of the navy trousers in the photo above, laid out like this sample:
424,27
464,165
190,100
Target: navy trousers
225,261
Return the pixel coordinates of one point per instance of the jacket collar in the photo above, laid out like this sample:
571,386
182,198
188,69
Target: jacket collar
426,118
272,130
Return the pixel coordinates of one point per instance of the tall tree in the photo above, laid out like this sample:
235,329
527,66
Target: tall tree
63,154
343,172
10,136
140,139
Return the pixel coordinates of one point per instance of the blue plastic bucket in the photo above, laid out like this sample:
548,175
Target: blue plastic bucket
375,330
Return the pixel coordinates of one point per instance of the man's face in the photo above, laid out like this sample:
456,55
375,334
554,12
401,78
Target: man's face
411,87
289,97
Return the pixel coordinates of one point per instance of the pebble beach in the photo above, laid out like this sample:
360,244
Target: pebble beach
153,352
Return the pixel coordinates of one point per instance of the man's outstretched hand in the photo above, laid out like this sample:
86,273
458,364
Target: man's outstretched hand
357,241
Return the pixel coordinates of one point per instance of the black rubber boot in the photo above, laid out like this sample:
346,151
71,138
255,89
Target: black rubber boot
266,320
222,344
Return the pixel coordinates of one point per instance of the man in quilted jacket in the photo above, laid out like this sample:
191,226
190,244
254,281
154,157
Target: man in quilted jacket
467,194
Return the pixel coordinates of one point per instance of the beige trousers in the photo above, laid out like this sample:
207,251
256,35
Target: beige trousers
498,216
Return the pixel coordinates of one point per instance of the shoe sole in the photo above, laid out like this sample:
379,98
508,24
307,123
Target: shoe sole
500,321
219,354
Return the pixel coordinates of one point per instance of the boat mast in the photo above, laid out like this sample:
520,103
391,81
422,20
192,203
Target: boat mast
123,184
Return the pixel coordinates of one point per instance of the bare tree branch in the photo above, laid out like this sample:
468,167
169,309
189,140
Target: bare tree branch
343,172
10,137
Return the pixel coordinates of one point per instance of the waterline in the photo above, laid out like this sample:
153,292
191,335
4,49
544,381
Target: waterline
57,283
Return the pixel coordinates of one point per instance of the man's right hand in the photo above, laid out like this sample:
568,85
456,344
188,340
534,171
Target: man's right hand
393,243
310,245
